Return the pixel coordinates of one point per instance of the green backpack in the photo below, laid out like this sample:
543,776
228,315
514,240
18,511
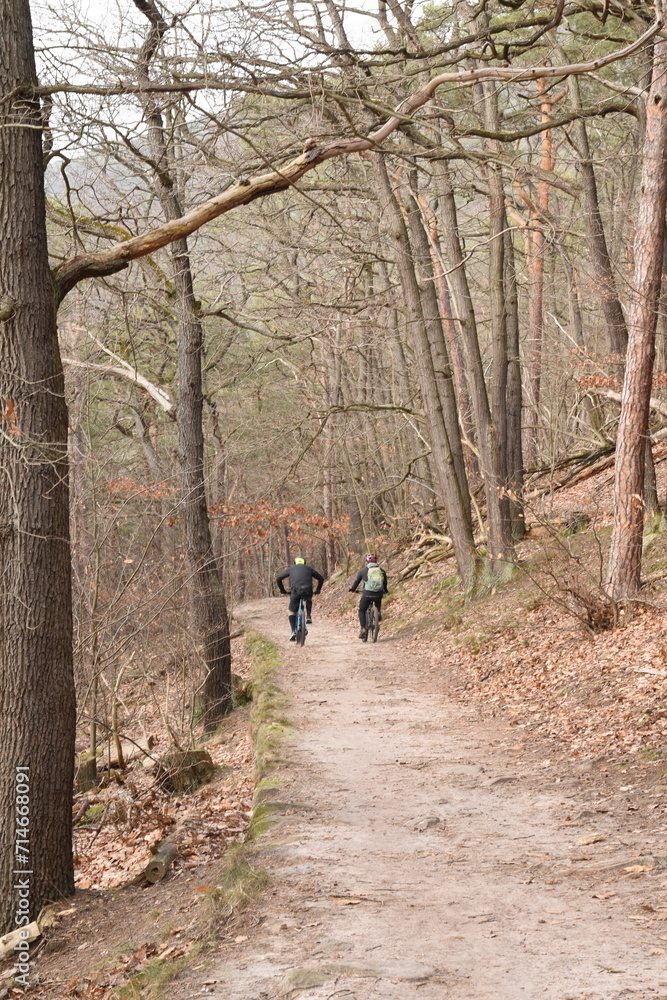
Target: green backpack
375,580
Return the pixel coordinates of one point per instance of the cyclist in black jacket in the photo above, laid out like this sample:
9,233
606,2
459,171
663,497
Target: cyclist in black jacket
300,585
372,592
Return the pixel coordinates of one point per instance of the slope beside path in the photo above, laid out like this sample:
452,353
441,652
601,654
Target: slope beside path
420,854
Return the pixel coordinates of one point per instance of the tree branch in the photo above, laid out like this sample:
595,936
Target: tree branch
605,108
125,370
116,258
654,403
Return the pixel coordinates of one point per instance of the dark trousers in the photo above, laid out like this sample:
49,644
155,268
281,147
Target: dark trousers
294,606
368,598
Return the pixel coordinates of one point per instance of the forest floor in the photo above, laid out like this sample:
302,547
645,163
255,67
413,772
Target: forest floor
424,850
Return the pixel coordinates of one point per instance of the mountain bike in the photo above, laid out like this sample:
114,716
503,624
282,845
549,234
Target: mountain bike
372,622
301,627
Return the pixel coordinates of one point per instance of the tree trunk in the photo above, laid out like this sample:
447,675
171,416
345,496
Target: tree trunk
499,541
624,571
454,345
454,493
331,380
514,393
497,301
355,535
207,594
37,702
595,236
535,254
206,589
441,364
597,247
498,316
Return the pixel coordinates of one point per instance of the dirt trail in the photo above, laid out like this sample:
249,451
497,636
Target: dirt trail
428,861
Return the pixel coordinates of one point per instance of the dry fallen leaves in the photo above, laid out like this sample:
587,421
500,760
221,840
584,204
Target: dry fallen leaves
138,815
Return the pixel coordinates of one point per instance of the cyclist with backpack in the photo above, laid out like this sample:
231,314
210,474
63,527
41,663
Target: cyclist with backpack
374,588
300,585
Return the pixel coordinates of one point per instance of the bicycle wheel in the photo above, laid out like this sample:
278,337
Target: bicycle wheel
301,630
374,630
371,612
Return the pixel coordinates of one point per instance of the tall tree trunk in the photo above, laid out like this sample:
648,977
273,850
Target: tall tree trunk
535,253
454,345
434,326
454,493
331,378
624,570
403,392
355,534
499,541
617,331
498,304
514,393
37,702
207,595
595,235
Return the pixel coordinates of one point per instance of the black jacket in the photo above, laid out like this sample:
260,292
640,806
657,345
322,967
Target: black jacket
362,576
300,579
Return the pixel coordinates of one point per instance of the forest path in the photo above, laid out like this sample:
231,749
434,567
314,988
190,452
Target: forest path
495,899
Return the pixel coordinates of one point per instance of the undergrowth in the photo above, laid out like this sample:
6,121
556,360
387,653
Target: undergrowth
240,879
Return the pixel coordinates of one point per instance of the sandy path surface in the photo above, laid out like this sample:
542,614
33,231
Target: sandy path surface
423,859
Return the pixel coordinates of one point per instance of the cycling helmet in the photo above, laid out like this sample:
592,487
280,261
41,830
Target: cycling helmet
371,557
299,561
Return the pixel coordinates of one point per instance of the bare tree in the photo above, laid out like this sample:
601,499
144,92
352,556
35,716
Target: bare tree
38,713
624,570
